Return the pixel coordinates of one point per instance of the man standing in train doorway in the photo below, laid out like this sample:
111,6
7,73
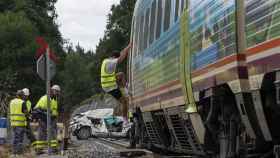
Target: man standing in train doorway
114,83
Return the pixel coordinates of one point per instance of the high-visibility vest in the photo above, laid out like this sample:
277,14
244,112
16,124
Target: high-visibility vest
130,115
42,104
28,105
17,117
108,80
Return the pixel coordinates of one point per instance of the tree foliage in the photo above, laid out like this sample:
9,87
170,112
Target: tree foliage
77,81
21,21
117,34
78,71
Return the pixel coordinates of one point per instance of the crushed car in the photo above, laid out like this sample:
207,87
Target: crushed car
99,123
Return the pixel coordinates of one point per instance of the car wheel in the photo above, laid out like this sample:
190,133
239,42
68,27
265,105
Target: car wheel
84,133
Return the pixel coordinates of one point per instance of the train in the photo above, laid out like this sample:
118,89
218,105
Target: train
204,77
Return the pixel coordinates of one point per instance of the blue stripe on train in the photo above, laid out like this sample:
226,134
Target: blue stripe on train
205,57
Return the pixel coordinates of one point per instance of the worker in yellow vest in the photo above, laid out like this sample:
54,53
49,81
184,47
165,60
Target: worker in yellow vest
42,143
114,83
18,122
130,115
29,133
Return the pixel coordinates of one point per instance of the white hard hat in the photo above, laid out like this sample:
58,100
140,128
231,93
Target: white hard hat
26,91
55,87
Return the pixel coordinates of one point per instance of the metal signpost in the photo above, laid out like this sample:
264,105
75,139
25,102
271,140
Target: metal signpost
46,71
41,67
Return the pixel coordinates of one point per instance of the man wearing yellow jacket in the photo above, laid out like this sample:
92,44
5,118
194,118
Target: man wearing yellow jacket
29,133
18,122
114,83
42,143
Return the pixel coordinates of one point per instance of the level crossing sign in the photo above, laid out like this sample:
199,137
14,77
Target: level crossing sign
41,67
46,61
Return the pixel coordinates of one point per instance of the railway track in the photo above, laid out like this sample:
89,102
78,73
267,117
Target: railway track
122,147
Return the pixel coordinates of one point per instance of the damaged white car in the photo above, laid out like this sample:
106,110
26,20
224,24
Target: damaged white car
99,123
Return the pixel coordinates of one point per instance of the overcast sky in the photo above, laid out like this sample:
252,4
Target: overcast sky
83,21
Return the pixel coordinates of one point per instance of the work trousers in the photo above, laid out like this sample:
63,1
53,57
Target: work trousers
42,143
18,137
29,133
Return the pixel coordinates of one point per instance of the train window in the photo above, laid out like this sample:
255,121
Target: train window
141,32
167,12
177,5
146,29
152,19
262,21
159,18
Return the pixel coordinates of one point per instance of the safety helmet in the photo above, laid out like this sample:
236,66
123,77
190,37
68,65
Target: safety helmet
56,87
26,91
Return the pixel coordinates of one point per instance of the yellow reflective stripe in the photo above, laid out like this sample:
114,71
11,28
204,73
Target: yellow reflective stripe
108,75
54,143
43,144
17,115
39,142
108,78
108,85
15,124
106,82
18,121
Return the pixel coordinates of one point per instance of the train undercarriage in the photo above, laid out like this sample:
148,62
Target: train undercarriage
231,125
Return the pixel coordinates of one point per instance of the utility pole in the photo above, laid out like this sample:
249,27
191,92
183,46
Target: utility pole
46,70
48,99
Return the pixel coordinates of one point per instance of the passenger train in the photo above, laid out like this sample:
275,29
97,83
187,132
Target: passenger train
204,77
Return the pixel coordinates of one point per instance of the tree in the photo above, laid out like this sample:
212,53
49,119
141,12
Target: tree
78,72
117,35
77,82
21,22
16,50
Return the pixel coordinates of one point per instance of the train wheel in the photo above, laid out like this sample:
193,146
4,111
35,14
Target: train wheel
229,119
222,125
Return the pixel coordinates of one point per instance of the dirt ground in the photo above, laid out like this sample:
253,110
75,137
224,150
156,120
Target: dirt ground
5,152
